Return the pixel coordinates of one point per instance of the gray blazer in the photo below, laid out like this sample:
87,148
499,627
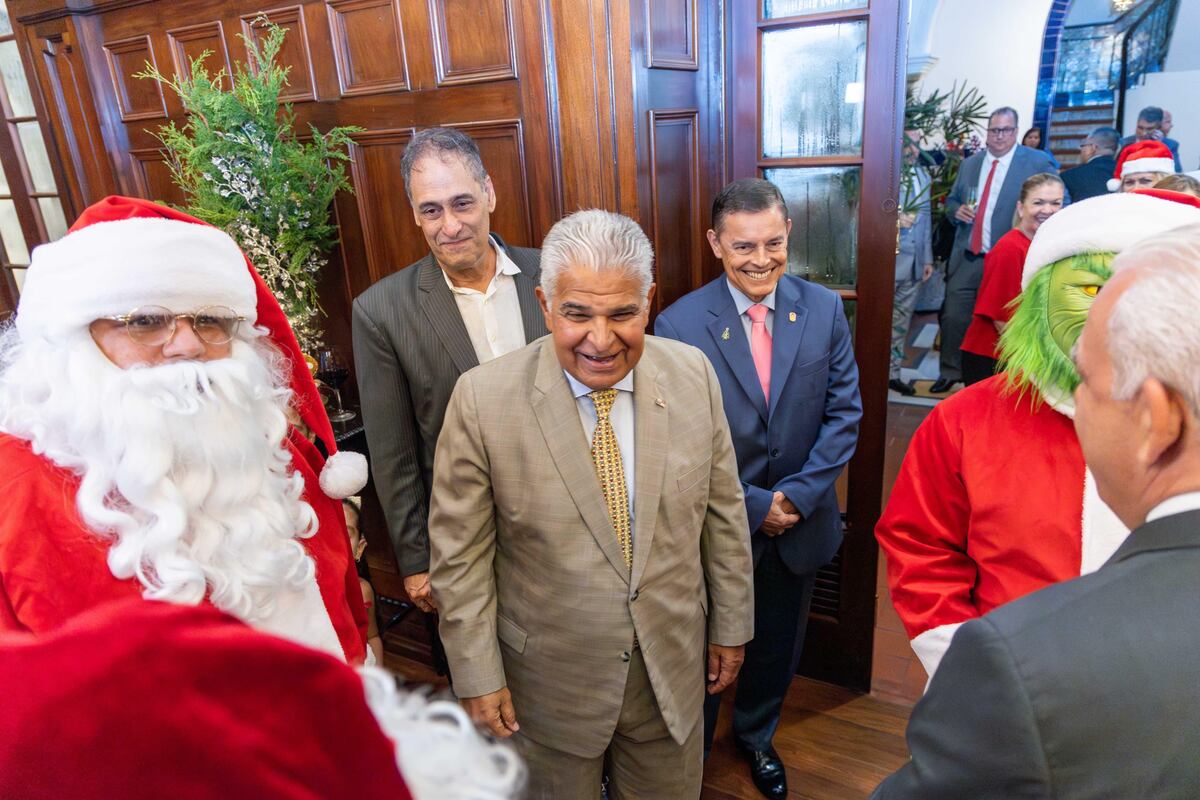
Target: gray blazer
916,243
1026,163
410,346
1086,689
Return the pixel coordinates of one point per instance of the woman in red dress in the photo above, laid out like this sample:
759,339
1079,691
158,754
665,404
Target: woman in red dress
1041,197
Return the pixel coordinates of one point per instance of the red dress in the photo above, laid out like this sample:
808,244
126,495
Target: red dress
990,505
1002,268
53,567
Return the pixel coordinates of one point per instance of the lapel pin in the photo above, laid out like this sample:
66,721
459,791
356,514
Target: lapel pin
725,335
792,317
658,401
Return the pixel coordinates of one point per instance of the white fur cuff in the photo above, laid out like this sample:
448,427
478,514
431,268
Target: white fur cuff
931,645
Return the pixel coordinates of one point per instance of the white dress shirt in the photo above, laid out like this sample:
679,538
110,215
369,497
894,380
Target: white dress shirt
1002,165
1189,501
621,418
493,318
743,304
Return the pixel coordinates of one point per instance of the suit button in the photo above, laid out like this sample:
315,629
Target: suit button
775,453
625,655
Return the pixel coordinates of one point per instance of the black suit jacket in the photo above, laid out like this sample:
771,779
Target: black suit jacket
1090,179
410,346
1086,689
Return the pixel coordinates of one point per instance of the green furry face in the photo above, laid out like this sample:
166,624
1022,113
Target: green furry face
1035,348
1072,291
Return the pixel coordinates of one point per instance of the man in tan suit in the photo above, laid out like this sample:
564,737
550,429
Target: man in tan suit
578,584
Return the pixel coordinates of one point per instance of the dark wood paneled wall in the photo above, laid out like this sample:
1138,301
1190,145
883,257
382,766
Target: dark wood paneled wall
575,103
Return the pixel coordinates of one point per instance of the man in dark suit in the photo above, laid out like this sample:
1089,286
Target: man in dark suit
1098,156
1153,123
470,300
981,203
782,352
1088,688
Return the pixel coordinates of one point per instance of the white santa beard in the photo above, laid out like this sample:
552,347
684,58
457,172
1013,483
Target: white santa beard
182,464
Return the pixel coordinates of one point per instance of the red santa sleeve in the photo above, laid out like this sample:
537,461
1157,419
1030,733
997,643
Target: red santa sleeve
923,532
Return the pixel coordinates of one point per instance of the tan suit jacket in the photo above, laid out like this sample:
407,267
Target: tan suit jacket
526,569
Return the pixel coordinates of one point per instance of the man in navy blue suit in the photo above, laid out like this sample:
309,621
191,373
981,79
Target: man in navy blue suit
782,352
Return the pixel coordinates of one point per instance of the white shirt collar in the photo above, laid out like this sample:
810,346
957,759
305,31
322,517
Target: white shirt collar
1188,501
579,390
1005,159
743,302
504,266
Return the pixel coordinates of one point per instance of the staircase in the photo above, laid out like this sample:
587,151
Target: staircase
1070,125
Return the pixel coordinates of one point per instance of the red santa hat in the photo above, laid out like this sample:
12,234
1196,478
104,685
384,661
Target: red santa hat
1144,156
124,252
1107,224
138,699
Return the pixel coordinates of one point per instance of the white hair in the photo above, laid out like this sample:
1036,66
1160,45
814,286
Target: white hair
183,465
600,241
440,754
1154,330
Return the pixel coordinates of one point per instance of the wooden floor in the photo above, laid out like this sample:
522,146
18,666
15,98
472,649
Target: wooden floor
836,744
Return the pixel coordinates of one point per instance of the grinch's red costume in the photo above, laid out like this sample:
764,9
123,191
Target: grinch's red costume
993,501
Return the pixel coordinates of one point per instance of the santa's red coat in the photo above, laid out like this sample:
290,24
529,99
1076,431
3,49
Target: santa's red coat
989,506
53,567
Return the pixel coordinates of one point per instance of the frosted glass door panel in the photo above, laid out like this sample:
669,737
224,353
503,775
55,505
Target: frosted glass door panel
774,9
812,90
823,206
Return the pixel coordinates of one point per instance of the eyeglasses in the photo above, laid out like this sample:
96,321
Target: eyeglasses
155,326
1001,131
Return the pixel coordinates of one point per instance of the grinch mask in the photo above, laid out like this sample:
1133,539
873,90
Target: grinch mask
1035,348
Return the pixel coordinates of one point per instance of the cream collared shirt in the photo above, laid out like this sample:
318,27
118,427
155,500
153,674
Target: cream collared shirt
492,317
621,419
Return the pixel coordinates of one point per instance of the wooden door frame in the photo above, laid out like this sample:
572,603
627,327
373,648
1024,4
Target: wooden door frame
839,650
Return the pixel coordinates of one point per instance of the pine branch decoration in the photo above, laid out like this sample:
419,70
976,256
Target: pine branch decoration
242,169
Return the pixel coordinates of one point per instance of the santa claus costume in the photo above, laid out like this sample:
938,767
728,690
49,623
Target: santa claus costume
92,511
993,500
137,700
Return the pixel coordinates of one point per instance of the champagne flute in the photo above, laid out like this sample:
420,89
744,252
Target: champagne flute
332,370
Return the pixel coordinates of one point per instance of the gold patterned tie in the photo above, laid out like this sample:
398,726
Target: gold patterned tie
606,455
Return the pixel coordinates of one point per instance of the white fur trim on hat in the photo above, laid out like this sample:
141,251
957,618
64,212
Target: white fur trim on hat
110,268
344,474
1104,224
1133,167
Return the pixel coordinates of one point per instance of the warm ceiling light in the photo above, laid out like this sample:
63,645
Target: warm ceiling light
1121,6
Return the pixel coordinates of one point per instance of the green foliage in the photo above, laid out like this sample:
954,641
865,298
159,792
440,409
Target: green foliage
951,120
239,163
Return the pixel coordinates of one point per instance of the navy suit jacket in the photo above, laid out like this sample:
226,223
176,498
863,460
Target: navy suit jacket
799,442
1090,179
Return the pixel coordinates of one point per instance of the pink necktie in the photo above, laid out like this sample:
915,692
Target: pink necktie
760,346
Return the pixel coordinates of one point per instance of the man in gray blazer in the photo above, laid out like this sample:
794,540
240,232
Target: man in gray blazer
589,533
1089,688
981,203
469,301
914,260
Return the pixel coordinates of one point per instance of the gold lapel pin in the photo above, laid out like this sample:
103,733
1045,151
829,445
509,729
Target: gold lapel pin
792,317
725,334
658,401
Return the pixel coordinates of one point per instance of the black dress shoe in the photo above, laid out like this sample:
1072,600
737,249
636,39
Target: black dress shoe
897,385
767,771
941,386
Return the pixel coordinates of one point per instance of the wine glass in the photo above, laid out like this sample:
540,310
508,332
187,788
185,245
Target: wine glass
332,370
